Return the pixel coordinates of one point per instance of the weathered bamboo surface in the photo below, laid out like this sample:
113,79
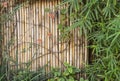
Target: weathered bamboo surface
35,38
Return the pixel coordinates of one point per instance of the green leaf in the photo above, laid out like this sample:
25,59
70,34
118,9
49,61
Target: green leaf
66,64
71,78
114,39
81,79
66,73
70,70
114,2
61,79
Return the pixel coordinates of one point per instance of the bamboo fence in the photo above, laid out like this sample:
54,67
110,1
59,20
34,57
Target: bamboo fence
32,37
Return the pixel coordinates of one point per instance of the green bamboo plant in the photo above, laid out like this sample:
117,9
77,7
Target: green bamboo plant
99,21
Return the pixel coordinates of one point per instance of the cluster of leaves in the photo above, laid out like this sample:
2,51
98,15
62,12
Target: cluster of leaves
69,74
99,21
26,75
